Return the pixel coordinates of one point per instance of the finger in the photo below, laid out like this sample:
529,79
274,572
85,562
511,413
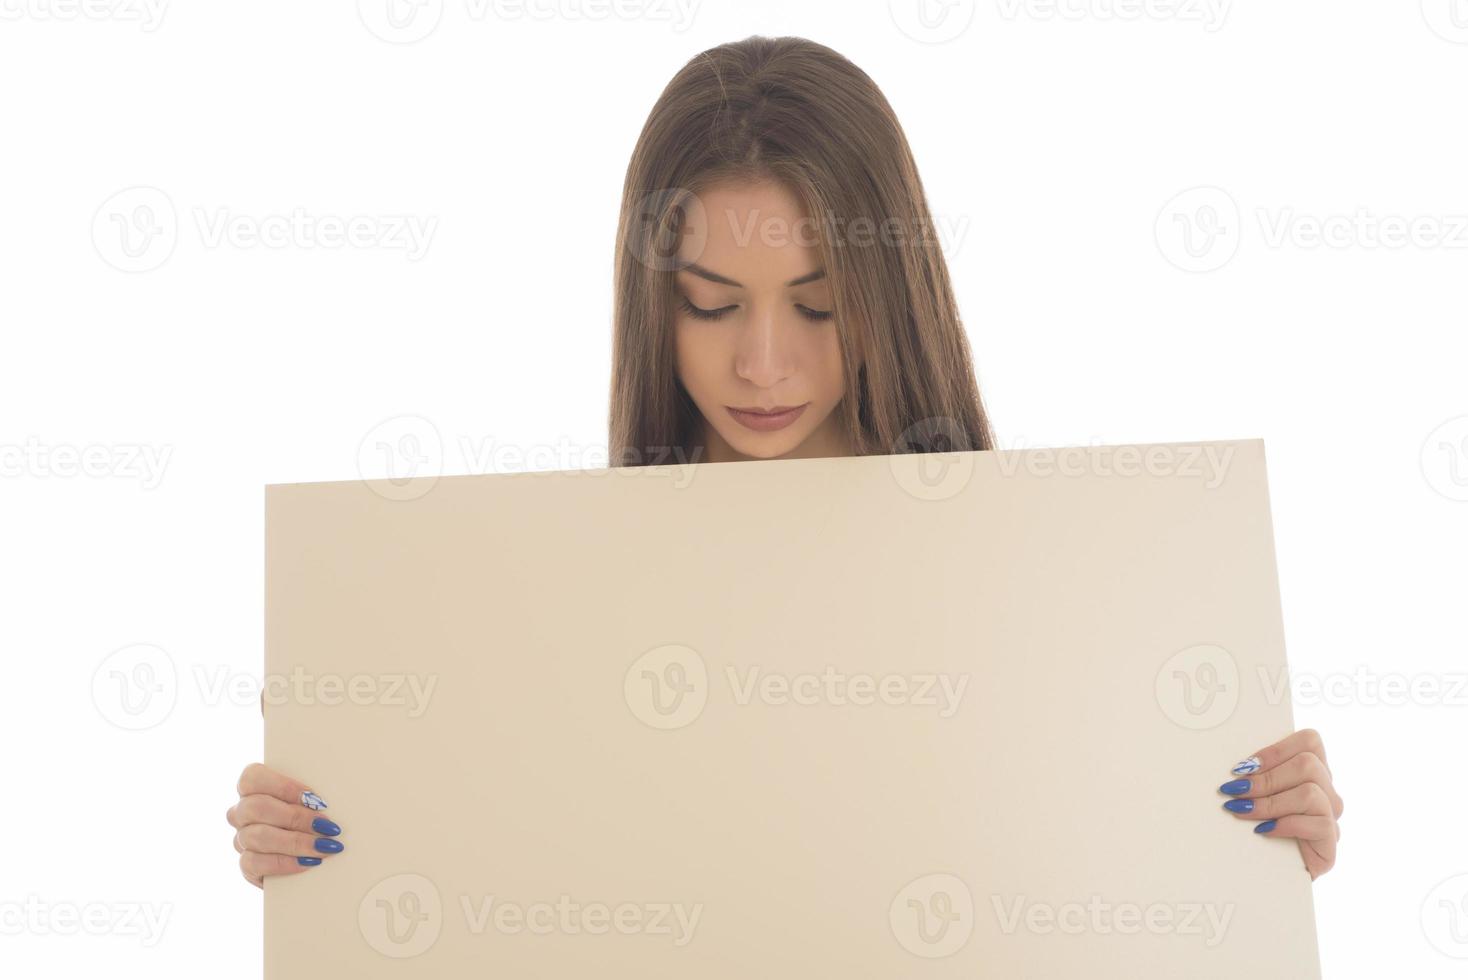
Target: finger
256,867
258,779
265,839
1306,798
1305,740
259,808
1316,836
1305,767
1315,862
1319,831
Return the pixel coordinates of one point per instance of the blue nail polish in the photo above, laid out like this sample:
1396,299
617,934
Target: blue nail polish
313,801
328,846
1265,827
1235,787
308,862
323,826
1248,767
1239,806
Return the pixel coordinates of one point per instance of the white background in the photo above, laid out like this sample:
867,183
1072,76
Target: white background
1052,140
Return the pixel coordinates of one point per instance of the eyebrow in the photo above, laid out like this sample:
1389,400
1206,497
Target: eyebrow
703,273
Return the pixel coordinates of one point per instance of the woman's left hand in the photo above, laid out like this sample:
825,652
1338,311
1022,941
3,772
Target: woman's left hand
1288,787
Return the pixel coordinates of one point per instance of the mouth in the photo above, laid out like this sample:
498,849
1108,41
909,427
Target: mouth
766,419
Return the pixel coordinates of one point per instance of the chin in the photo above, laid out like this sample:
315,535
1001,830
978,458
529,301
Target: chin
763,447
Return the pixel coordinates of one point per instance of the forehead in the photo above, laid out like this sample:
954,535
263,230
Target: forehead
758,234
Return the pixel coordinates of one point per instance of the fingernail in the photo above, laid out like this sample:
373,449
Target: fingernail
1265,827
1248,766
328,846
313,801
1239,806
308,862
1235,787
323,826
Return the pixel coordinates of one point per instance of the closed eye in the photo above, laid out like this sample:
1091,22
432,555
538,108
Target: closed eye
699,313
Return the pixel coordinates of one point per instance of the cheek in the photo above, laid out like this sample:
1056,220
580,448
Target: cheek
829,371
697,354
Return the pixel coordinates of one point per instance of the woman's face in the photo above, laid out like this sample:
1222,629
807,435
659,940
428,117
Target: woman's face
754,330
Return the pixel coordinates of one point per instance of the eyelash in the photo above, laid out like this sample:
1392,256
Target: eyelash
699,313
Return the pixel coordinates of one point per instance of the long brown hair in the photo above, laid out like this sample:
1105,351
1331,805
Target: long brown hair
793,111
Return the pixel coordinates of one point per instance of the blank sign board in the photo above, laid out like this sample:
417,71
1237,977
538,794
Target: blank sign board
958,715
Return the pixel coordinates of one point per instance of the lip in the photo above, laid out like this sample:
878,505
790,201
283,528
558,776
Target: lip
766,421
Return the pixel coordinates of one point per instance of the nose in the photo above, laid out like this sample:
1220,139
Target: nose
765,354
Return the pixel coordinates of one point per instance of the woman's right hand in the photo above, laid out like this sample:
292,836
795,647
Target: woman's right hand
278,830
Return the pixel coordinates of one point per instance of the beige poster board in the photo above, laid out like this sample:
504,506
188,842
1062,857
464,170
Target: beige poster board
957,716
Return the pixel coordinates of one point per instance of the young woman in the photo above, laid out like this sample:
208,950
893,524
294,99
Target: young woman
779,294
